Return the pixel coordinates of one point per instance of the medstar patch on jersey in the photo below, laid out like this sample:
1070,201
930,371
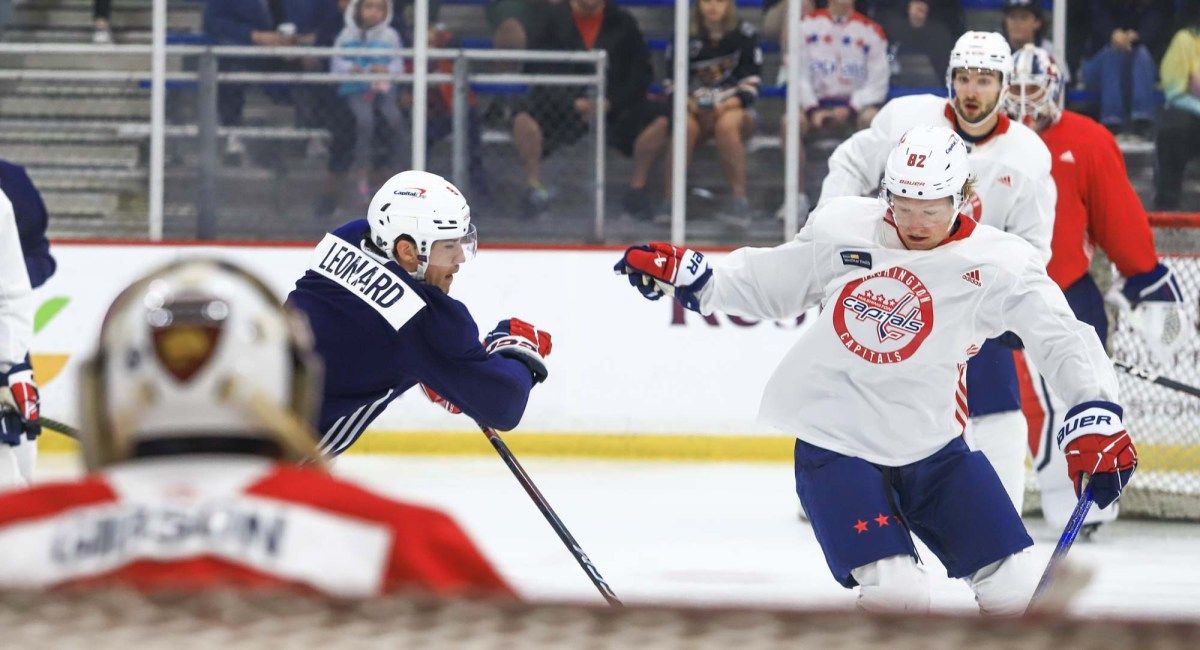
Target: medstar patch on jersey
884,317
856,258
338,260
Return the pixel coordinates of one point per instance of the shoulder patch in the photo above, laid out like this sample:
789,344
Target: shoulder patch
367,279
856,258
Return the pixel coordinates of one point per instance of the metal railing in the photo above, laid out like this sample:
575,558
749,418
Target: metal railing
206,76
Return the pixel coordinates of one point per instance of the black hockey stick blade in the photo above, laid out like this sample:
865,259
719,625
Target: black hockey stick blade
540,501
65,429
1142,373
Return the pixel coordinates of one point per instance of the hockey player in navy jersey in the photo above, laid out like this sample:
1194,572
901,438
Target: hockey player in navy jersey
25,263
909,288
376,294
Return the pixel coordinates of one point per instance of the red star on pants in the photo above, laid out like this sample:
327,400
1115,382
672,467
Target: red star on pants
861,526
882,520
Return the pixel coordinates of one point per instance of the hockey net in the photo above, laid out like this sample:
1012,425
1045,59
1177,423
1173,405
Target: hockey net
1165,423
96,620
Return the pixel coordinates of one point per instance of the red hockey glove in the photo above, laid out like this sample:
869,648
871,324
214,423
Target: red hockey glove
19,406
439,400
1095,442
518,340
659,267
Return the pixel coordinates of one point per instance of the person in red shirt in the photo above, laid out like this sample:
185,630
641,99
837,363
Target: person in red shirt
1096,206
197,429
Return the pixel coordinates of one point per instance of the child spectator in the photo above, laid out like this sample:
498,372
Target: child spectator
367,27
724,67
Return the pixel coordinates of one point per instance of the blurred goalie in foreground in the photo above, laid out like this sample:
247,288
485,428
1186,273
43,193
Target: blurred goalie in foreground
197,429
910,287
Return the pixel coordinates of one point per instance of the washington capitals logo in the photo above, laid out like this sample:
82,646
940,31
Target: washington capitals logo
884,317
894,319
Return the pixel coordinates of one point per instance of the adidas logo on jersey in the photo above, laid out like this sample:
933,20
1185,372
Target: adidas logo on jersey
1006,180
972,276
1067,156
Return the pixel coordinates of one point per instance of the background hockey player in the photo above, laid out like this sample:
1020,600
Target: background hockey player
909,288
197,414
1096,206
19,421
376,296
1013,192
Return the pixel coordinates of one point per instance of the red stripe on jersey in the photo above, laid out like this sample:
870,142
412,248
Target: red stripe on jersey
429,550
1031,406
52,499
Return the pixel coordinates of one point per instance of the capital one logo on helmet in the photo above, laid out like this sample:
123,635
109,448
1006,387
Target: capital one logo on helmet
414,192
884,317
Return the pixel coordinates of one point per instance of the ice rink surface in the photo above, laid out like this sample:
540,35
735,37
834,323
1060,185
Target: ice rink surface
720,533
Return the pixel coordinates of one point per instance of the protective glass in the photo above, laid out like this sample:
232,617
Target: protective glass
448,252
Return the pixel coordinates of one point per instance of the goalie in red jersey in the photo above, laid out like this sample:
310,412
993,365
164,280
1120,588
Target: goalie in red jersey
1096,206
197,428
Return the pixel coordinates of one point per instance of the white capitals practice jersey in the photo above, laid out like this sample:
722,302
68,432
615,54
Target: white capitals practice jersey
880,374
1014,190
16,294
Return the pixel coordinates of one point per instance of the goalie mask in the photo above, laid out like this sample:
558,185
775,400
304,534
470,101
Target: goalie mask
427,209
1035,92
199,357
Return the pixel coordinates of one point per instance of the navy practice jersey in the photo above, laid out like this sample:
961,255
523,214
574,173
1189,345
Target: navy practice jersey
380,332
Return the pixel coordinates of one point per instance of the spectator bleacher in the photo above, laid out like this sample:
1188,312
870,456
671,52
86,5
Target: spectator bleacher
88,172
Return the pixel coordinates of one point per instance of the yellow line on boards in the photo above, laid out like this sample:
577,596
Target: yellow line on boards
664,447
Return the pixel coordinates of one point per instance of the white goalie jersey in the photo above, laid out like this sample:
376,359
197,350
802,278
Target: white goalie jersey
1014,191
880,374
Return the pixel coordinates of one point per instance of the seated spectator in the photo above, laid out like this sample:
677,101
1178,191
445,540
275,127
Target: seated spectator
919,35
1024,24
1127,36
1178,139
845,77
368,27
238,22
724,72
552,116
197,423
101,18
845,80
948,13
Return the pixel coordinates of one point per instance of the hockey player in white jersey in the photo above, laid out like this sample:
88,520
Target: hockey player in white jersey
909,287
1014,192
19,424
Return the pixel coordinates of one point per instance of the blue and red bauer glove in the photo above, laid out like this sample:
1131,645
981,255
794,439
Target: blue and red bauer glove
1096,444
658,267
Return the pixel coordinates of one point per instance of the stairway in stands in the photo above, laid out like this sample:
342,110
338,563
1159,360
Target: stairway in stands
84,143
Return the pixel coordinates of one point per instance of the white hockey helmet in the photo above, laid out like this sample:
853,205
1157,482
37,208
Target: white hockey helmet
426,208
980,51
929,162
199,356
1036,89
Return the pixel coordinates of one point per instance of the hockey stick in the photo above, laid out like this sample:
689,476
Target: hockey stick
65,429
1142,373
548,512
1064,544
